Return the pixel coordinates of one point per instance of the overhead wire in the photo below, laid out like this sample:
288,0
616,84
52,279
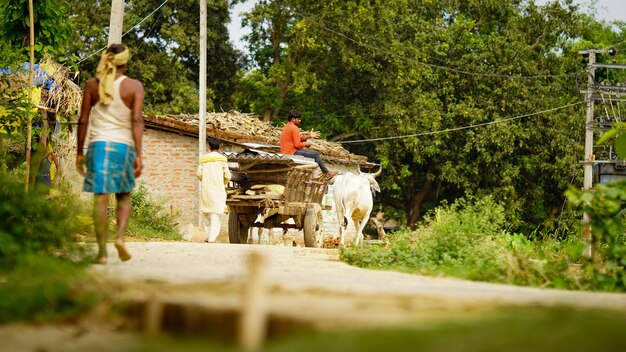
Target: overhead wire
128,31
457,128
388,52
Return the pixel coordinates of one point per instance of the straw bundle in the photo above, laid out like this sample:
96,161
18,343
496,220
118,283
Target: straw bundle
64,97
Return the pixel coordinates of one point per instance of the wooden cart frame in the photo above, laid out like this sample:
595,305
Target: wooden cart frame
301,201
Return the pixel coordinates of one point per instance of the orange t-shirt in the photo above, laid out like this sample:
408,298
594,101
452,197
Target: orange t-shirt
290,139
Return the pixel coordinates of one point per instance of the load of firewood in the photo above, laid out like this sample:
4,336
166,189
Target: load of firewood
250,125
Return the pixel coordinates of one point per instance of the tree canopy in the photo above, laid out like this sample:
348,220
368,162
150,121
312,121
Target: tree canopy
165,50
451,97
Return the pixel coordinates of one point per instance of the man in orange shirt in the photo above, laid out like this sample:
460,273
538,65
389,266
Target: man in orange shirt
293,143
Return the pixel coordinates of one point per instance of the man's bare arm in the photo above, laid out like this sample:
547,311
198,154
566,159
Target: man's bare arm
137,119
137,122
83,120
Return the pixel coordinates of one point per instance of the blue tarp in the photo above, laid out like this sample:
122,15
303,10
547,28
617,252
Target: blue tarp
40,76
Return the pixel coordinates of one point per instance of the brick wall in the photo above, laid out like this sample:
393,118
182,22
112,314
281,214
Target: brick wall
170,162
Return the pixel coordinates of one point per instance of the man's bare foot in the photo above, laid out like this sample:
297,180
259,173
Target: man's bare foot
122,251
100,260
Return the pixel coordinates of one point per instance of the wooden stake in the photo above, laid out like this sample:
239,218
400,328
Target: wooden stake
153,316
253,319
31,19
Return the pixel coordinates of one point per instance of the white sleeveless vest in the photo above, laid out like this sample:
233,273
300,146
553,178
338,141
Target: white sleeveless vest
113,122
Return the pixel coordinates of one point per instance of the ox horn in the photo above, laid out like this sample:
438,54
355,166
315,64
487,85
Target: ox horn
377,173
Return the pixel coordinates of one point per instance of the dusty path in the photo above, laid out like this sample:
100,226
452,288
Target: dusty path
300,270
199,287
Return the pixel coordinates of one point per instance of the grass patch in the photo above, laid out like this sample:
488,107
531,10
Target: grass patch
138,232
151,219
46,288
512,330
515,330
469,239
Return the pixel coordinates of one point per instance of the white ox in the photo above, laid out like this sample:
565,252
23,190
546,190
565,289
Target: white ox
353,197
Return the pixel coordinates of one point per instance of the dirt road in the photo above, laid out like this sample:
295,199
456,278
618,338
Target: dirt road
196,287
313,284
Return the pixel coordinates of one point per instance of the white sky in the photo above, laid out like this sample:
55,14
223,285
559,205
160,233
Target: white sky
234,27
607,10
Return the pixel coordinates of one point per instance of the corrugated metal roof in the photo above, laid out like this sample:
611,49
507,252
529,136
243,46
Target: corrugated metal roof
254,156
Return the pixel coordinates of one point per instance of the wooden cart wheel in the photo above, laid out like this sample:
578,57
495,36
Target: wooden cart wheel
313,226
237,232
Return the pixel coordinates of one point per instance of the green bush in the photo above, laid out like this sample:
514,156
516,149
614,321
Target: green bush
469,240
42,273
605,207
150,215
33,222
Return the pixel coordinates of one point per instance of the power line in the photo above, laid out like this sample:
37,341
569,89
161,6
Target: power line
128,31
458,128
444,67
388,52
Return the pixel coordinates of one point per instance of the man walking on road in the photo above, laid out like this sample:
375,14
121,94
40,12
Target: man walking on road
292,142
113,103
214,175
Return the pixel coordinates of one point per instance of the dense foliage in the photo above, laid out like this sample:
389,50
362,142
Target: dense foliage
399,71
42,266
605,207
164,50
52,32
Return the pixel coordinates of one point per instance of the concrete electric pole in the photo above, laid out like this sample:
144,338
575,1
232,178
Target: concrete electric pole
202,95
116,23
590,157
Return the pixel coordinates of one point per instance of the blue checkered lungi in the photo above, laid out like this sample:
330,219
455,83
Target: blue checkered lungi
109,168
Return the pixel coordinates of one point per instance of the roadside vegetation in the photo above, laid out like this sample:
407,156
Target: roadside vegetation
45,251
42,266
473,109
470,239
151,219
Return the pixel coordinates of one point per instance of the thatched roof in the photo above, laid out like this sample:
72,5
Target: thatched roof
61,96
237,128
65,96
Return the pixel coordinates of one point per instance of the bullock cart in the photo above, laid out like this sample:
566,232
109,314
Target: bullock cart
275,188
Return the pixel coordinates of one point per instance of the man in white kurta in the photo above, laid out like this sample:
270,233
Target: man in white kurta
214,176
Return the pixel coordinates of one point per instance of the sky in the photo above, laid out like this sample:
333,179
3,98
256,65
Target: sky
234,28
607,10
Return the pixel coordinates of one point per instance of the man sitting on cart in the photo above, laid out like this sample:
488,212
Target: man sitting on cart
292,142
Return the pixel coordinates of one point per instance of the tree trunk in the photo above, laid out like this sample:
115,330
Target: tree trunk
414,212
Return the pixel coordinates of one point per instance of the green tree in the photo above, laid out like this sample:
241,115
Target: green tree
400,68
164,50
52,32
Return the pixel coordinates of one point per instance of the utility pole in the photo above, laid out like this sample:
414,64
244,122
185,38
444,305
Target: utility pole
202,95
590,157
116,23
